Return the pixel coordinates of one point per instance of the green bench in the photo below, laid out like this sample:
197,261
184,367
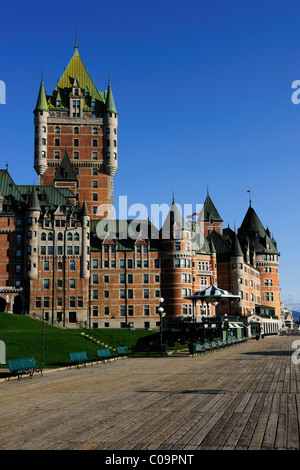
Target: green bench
199,349
123,351
104,354
207,347
79,357
25,365
214,345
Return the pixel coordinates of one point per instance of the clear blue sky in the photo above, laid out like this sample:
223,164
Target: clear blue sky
203,91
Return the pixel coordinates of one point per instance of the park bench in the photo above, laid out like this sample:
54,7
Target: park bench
214,345
123,351
221,344
104,353
25,365
207,347
79,357
199,349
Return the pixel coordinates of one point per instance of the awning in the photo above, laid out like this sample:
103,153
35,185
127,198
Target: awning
236,325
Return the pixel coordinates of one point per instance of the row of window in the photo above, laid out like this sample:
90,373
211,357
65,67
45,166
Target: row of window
95,155
73,302
147,309
60,236
122,277
125,294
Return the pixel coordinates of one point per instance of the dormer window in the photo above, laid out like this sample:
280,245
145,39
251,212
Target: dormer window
58,103
76,91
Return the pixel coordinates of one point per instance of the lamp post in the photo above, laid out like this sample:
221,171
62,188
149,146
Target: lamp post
225,324
161,315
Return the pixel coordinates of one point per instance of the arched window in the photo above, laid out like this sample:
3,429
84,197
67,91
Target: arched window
50,236
59,236
57,130
76,130
43,236
76,236
69,237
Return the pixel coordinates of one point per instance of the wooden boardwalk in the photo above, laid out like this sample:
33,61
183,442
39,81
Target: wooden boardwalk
244,397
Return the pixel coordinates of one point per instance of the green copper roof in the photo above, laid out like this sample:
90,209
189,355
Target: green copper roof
110,104
76,69
8,187
42,104
34,204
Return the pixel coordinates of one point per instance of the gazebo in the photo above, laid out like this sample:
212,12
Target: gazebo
212,295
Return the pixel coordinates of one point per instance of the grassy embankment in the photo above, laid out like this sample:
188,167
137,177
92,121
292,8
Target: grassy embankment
23,337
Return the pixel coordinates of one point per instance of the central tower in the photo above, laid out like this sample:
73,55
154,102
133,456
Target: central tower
76,126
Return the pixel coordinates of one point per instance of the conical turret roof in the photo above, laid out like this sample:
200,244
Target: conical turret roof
42,104
110,104
34,204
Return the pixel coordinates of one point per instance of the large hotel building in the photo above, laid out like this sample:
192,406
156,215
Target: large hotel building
54,260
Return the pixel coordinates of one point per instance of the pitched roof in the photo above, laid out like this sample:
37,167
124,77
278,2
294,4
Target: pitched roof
76,69
210,212
65,170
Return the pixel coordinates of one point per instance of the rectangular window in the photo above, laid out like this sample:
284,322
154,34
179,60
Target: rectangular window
76,142
72,283
130,293
146,293
95,264
46,265
95,294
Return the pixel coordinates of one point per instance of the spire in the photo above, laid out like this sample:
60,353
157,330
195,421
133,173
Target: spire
210,212
236,249
34,204
42,104
84,210
110,104
76,53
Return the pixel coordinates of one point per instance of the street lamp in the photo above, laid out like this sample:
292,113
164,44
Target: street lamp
161,314
225,324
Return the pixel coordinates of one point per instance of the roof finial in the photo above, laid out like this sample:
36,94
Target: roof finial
207,191
249,191
76,36
173,202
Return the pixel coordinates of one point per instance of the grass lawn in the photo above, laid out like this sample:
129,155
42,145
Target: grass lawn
23,337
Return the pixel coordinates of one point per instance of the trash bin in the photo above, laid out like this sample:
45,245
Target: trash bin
192,348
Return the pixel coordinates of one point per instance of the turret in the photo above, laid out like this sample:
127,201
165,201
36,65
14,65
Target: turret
41,113
85,258
110,134
31,236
